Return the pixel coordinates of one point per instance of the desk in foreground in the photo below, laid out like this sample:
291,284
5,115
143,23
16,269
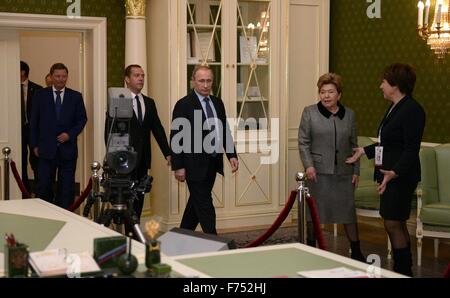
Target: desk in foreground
42,226
263,262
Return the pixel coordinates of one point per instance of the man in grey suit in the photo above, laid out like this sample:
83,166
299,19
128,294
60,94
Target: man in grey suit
327,136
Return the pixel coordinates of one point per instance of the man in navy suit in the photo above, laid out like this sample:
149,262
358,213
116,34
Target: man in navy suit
58,117
28,89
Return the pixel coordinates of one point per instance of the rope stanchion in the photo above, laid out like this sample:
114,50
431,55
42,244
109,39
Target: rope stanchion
276,224
318,234
82,197
19,181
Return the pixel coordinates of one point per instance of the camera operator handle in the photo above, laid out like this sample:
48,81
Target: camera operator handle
89,203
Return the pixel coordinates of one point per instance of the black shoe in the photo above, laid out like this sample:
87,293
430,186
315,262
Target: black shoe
356,252
403,261
310,242
358,256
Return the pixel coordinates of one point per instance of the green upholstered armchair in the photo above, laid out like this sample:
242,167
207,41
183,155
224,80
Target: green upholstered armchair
433,197
367,199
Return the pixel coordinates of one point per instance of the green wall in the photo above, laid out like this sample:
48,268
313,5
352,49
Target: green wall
360,48
113,10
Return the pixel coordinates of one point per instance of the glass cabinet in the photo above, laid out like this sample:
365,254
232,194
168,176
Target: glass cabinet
233,37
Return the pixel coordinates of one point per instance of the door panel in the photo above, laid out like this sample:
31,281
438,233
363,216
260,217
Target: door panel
10,95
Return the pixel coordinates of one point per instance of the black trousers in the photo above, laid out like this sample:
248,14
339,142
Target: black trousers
66,180
27,151
200,208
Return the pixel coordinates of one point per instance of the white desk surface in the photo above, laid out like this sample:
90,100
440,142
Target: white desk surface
190,272
77,235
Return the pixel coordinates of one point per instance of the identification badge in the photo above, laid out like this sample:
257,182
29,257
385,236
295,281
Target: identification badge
378,155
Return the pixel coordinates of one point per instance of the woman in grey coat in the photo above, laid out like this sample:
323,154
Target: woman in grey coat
327,136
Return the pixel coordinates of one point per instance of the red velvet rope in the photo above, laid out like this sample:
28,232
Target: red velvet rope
276,224
447,272
19,181
316,222
82,197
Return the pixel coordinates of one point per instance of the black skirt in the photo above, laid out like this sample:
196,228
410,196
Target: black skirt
395,202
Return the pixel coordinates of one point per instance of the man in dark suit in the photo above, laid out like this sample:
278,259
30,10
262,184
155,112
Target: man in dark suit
58,117
28,89
198,136
145,121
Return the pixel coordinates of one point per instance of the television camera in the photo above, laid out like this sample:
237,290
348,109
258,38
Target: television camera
120,186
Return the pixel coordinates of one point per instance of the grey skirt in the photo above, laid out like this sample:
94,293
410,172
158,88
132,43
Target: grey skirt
335,198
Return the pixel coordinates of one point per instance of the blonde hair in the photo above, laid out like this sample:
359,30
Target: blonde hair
330,78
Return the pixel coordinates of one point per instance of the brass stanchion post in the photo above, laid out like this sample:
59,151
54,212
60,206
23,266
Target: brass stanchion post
6,152
302,194
95,167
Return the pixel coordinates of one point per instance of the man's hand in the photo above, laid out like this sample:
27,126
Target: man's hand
234,162
64,137
357,153
388,176
36,151
180,175
311,174
169,160
355,181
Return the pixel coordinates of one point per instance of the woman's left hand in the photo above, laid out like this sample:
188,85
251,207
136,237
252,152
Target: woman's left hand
388,176
355,181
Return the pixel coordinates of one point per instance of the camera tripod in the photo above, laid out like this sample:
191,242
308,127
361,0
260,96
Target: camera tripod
122,198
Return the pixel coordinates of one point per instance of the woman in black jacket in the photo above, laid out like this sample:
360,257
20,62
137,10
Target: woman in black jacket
397,165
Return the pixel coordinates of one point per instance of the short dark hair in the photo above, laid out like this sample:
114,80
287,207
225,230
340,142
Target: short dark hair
58,66
24,67
401,75
128,69
201,66
330,78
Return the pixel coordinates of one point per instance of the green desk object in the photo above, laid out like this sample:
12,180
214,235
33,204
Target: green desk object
107,250
127,262
161,270
16,260
152,253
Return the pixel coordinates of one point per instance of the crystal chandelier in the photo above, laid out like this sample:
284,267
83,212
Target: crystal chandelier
436,34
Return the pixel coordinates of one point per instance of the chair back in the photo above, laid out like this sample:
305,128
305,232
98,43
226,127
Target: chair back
429,181
365,165
443,172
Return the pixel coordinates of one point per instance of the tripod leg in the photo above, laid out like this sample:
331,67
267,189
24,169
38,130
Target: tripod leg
132,220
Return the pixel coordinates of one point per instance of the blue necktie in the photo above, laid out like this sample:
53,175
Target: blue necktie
58,104
139,109
210,115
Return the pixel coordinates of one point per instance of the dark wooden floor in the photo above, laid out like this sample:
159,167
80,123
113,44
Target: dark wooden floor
373,241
